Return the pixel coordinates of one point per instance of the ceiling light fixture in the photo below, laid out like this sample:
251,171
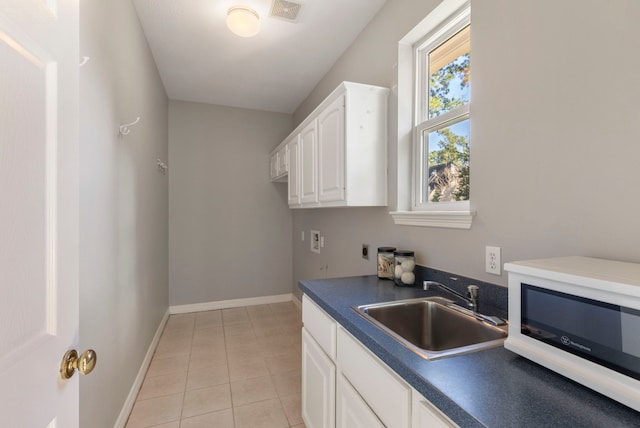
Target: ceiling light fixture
243,21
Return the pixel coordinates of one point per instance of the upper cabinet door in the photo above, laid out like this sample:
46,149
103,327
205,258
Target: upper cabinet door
283,163
331,165
273,166
293,183
308,163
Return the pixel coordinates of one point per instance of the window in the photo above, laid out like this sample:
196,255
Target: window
441,134
434,82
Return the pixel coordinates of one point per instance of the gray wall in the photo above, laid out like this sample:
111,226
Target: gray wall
123,205
554,150
229,227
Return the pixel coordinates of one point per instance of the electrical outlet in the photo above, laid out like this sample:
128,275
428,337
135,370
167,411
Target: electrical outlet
365,251
492,260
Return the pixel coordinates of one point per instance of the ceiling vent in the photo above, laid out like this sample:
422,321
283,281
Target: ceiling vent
286,10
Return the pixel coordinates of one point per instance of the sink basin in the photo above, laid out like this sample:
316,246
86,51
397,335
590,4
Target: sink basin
432,327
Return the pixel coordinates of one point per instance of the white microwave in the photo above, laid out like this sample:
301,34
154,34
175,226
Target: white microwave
580,317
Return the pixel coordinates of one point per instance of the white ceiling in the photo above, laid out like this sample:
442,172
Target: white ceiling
200,60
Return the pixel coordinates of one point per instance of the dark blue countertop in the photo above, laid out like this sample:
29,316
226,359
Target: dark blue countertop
491,388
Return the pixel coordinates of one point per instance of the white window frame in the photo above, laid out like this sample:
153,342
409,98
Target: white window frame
444,21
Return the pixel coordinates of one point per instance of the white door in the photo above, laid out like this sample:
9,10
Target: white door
38,211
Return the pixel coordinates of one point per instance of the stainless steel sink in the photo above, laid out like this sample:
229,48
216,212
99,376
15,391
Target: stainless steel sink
433,327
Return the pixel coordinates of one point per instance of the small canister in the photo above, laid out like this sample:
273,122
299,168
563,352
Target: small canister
404,267
385,262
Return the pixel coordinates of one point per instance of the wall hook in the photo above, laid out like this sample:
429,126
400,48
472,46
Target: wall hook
85,59
162,166
124,129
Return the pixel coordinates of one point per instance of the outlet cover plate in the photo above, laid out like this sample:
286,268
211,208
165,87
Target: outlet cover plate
492,260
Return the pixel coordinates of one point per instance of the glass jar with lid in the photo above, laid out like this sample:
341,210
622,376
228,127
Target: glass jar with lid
404,268
385,262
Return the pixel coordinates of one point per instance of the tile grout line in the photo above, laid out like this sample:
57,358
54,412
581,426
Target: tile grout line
186,380
226,353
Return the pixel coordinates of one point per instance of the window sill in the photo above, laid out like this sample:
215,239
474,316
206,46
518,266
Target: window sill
443,219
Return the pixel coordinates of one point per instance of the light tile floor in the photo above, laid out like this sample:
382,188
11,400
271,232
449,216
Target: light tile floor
232,368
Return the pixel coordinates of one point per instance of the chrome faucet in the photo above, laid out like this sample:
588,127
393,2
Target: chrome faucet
471,298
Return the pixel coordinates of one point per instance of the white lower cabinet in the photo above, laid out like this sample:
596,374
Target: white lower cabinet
352,410
426,415
320,326
318,385
385,393
318,403
345,385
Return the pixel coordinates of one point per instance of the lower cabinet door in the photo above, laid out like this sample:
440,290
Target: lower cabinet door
352,411
426,415
318,385
385,393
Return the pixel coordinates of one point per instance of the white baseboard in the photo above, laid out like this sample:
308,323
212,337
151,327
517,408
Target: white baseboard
226,304
137,384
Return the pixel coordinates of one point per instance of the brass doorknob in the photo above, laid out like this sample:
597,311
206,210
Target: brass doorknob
71,362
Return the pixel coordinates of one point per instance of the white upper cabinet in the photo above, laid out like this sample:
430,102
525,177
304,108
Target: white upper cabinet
342,153
279,163
273,166
283,160
293,185
331,152
308,163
